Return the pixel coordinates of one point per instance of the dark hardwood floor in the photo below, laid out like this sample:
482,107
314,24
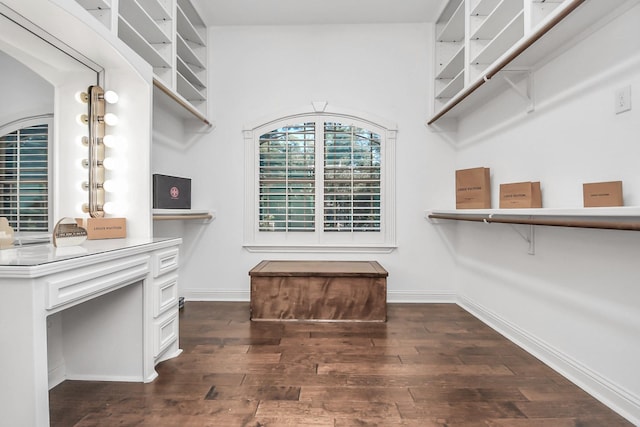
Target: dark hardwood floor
429,365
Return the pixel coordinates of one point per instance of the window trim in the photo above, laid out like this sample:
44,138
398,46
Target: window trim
322,242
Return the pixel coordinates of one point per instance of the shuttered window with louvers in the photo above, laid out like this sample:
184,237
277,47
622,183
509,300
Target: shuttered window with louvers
320,182
24,177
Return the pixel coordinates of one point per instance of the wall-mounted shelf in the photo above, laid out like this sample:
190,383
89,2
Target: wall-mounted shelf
183,214
547,27
169,35
622,218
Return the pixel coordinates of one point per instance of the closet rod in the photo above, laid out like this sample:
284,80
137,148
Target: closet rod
181,102
607,225
188,216
519,47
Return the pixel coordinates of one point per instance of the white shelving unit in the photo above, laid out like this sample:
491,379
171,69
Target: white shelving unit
499,35
171,37
502,41
450,51
100,9
191,61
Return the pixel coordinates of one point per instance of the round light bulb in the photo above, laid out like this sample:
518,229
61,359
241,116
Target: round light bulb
82,140
82,97
110,186
110,163
110,208
82,119
111,119
111,141
111,97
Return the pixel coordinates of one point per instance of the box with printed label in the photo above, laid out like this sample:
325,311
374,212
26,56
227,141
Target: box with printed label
473,188
104,228
600,194
171,192
520,195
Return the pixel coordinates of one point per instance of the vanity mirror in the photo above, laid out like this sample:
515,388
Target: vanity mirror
39,134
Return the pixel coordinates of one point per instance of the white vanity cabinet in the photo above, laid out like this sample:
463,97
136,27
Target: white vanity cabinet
164,268
106,310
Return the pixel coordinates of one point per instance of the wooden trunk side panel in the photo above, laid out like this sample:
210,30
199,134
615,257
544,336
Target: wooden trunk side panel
318,298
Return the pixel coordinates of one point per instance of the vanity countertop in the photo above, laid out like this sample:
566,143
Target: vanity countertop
41,258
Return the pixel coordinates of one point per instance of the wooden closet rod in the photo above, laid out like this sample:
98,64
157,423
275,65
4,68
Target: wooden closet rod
181,102
519,47
554,222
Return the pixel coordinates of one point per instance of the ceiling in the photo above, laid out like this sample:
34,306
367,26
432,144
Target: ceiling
310,12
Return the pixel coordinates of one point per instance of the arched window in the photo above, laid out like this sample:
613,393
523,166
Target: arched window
24,174
320,181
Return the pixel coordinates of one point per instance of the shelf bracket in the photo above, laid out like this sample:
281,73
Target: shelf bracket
529,237
525,93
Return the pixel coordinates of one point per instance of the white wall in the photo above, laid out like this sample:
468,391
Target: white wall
257,72
24,92
576,302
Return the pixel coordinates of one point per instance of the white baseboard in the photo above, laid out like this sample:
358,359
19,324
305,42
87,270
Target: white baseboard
215,295
57,375
615,397
421,297
392,296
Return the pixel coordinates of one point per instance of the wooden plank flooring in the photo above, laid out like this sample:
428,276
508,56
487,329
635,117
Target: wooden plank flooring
429,365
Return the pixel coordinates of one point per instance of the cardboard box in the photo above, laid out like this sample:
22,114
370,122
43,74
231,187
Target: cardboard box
473,188
171,192
520,195
599,194
104,228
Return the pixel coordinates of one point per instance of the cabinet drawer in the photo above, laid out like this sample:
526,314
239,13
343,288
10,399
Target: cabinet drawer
75,286
165,294
165,261
165,332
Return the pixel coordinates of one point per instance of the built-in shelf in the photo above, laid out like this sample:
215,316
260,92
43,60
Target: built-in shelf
190,75
506,38
614,218
154,32
95,4
134,39
187,30
485,7
452,87
453,29
169,35
182,215
536,37
497,19
454,66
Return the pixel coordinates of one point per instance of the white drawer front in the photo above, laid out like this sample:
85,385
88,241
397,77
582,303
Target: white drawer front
165,261
75,286
166,332
165,294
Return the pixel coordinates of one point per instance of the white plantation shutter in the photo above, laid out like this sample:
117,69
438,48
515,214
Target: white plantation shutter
320,181
351,178
287,179
24,177
350,182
